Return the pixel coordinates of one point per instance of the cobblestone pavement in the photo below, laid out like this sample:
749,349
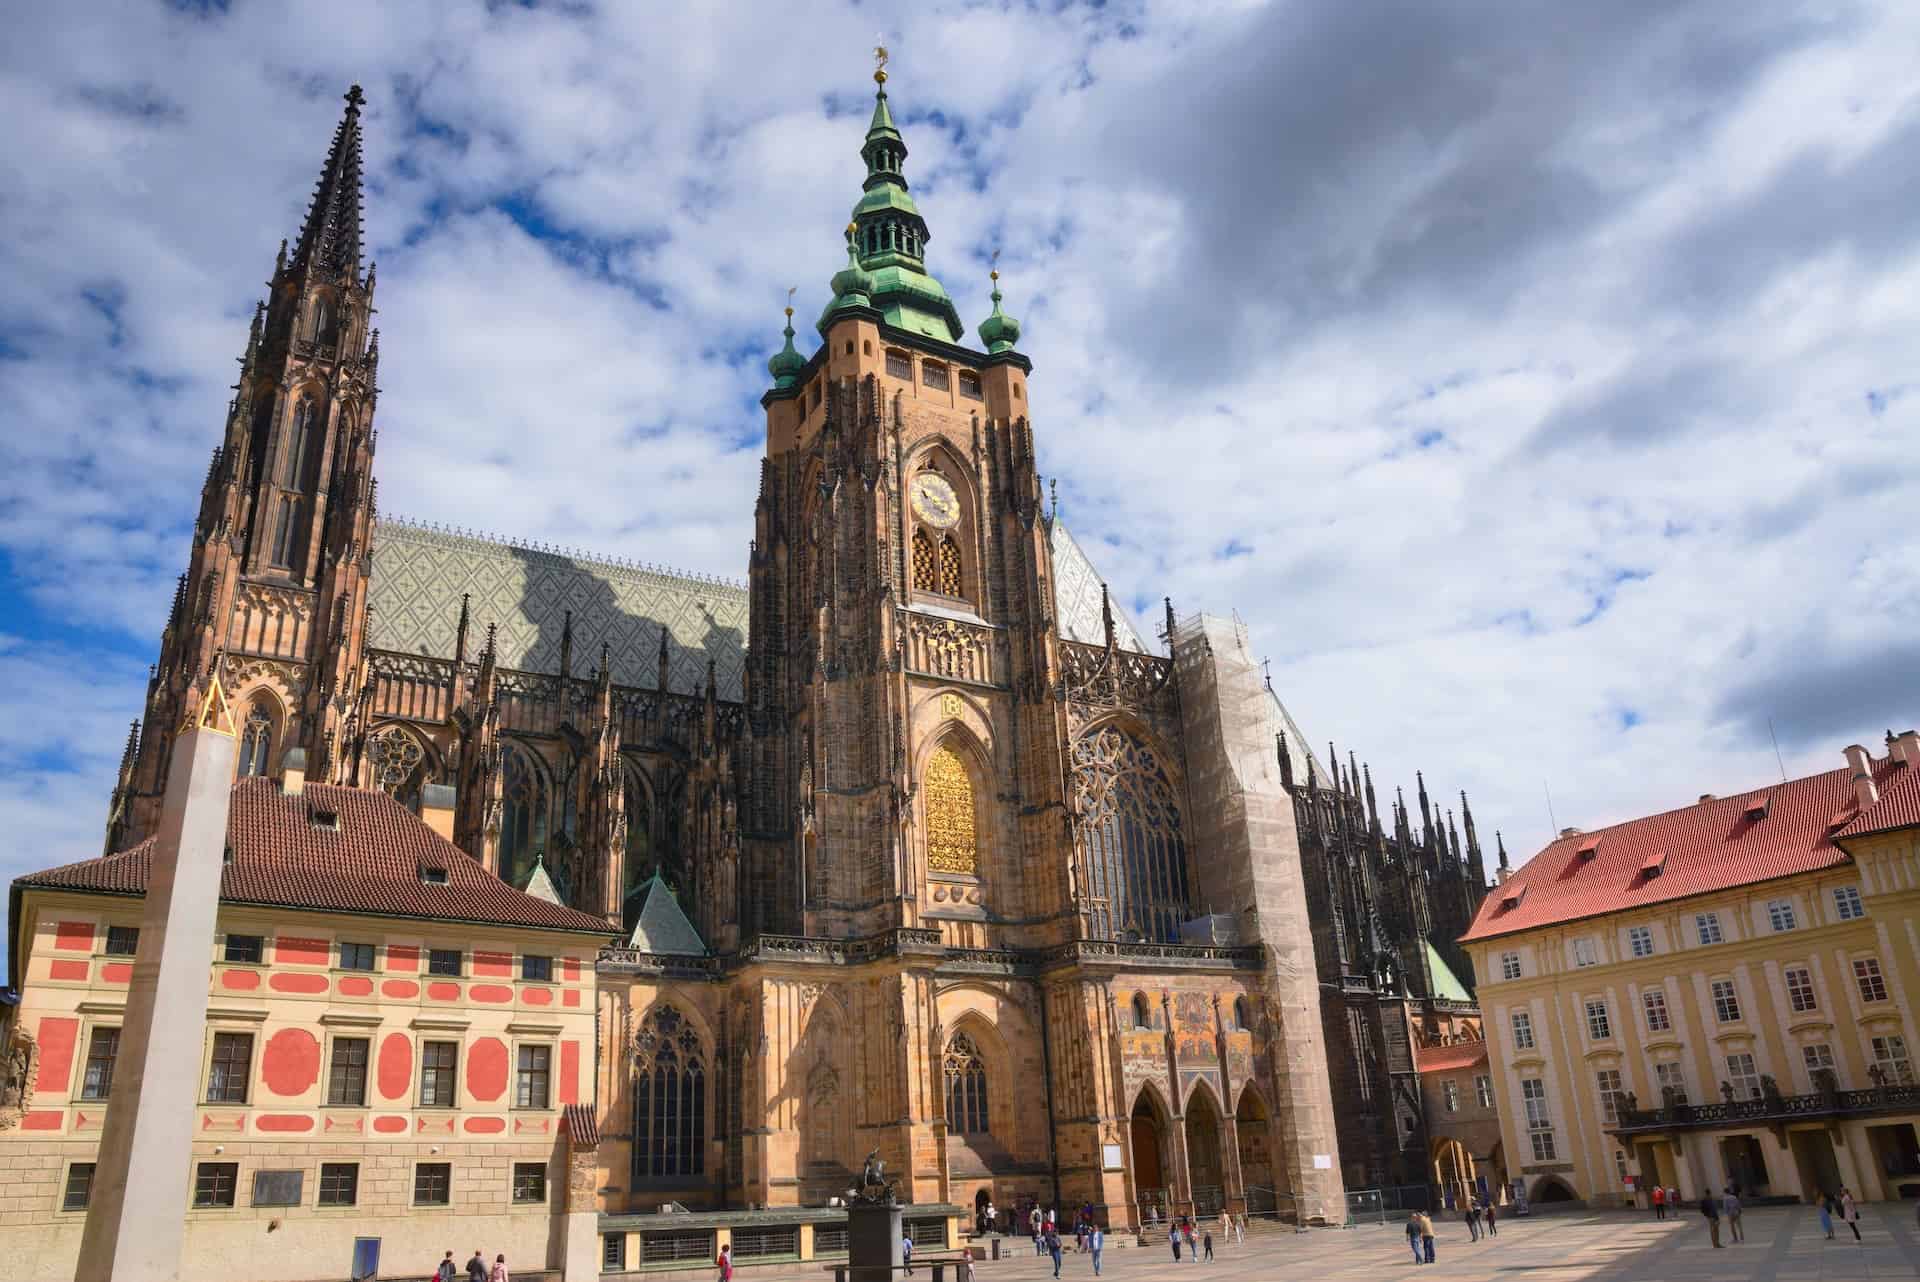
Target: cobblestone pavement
1783,1244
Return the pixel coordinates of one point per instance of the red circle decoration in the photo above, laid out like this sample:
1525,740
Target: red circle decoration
487,1069
290,1064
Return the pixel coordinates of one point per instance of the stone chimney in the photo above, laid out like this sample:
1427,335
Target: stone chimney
1860,766
436,808
1906,747
293,772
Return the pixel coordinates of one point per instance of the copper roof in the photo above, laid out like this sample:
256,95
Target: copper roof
368,859
1717,844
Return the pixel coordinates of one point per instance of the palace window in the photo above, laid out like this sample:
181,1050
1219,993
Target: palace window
1608,1082
1599,1027
966,1088
347,1074
79,1190
1726,1003
1800,989
356,956
538,969
529,1181
103,1048
1707,925
1817,1057
443,961
669,1098
1890,1056
1654,1001
952,845
1539,1120
339,1183
1522,1031
1743,1076
256,737
123,941
433,1184
1509,965
1847,905
1483,1089
438,1062
214,1183
230,1068
1585,953
1450,1095
532,1089
1672,1081
1780,915
1132,842
1866,974
244,948
1640,940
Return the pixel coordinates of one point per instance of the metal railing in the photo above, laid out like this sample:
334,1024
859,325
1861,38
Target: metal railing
1902,1097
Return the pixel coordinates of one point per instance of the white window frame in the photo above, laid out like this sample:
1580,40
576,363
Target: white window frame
1670,1074
1869,979
1781,916
1640,940
1450,1095
1706,927
1726,1002
1653,1002
1585,951
1599,1020
1816,1056
1522,1023
1800,996
1607,1081
1533,1094
1743,1075
1891,1055
1509,965
1846,903
1483,1089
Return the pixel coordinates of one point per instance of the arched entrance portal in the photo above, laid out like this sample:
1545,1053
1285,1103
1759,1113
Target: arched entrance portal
1256,1153
1453,1172
1203,1153
1551,1188
1148,1133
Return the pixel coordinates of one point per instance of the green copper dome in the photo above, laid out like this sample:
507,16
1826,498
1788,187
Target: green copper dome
852,285
999,331
785,365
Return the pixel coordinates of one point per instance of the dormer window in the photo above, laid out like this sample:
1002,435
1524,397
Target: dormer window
433,876
1757,807
327,820
1655,864
1588,848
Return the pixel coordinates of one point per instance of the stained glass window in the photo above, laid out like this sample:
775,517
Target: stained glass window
669,1098
399,765
256,738
966,1088
1133,851
951,842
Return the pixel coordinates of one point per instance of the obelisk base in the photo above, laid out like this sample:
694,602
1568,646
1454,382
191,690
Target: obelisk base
873,1242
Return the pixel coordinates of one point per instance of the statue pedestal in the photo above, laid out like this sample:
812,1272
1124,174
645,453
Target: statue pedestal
873,1243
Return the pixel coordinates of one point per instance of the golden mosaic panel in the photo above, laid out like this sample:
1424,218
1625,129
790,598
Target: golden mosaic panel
951,841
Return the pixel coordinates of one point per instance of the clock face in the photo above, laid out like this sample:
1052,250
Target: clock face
934,501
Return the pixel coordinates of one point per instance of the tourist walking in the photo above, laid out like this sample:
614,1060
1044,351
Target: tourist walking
1491,1230
1426,1233
1053,1249
448,1270
1173,1239
725,1263
477,1267
1472,1218
1096,1243
1206,1244
906,1252
1850,1212
1659,1203
1826,1214
1413,1237
1730,1207
1240,1229
499,1271
1710,1207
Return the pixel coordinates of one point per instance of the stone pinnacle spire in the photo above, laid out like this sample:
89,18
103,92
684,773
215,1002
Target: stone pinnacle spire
330,240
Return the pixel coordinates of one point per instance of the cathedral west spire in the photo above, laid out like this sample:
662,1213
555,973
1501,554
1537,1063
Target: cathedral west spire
330,240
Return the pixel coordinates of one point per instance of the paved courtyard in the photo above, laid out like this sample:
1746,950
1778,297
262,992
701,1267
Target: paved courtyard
1783,1244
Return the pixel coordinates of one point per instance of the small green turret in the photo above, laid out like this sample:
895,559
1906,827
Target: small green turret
785,365
999,331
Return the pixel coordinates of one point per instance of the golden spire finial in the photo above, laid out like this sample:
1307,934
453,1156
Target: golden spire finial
880,56
994,262
790,290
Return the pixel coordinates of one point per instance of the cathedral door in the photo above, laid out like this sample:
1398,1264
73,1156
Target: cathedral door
1149,1169
1256,1152
1203,1154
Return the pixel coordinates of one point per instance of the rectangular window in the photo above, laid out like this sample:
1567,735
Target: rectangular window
437,1060
1726,1003
1817,1057
1640,940
1599,1027
899,364
356,956
1846,904
244,948
534,1076
278,1188
933,375
1866,973
124,941
1708,926
1890,1056
231,1067
443,961
433,1184
613,1253
347,1075
1509,965
529,1181
102,1049
79,1190
1450,1095
1608,1080
1780,915
1743,1077
1483,1090
1672,1081
339,1183
1539,1121
540,968
1584,953
1654,1001
969,384
214,1183
1800,989
1522,1031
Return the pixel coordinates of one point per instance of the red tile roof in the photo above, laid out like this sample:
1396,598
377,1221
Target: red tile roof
1450,1057
583,1128
369,863
1714,845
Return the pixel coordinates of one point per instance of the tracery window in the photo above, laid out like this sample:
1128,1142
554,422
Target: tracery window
669,1098
952,845
286,534
950,583
1133,851
256,738
926,566
639,851
966,1088
523,817
398,762
299,445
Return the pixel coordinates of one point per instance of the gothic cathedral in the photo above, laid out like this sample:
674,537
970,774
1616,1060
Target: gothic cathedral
911,843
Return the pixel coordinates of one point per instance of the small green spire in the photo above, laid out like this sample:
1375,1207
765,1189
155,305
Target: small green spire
998,331
785,365
852,284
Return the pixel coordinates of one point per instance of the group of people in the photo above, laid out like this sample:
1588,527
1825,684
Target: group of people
1481,1218
1725,1205
477,1269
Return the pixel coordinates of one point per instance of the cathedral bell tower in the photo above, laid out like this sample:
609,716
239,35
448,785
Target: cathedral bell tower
276,584
905,750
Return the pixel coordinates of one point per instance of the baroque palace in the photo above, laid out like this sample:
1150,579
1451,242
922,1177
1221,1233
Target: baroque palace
555,873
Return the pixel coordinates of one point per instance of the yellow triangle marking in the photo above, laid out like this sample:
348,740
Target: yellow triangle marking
214,713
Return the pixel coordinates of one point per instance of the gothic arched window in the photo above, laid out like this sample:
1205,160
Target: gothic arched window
669,1098
1240,1013
286,533
523,813
299,445
1142,1013
926,566
639,852
966,1088
952,845
1132,843
256,738
399,765
950,581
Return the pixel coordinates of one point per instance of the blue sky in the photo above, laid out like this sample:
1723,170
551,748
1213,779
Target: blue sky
1532,379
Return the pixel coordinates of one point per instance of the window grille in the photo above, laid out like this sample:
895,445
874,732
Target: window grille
899,364
969,384
79,1190
927,1232
759,1244
529,1181
686,1244
123,941
933,375
443,961
244,948
950,580
926,566
829,1241
613,1253
214,1183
